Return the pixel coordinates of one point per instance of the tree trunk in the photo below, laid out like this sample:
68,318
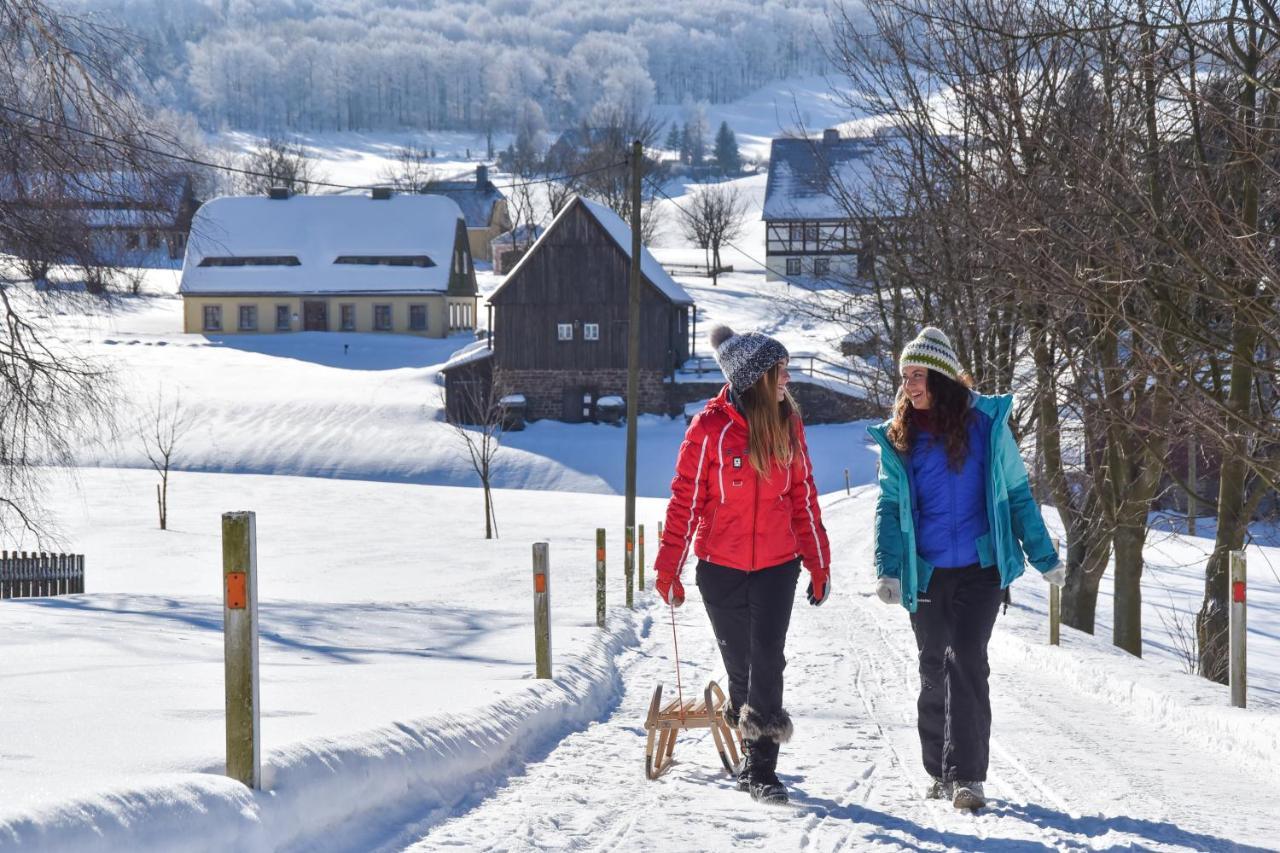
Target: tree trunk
488,511
1087,558
1211,621
1127,630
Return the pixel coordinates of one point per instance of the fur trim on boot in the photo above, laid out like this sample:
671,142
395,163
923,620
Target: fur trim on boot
754,725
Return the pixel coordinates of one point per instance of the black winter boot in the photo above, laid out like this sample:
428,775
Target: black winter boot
763,782
744,767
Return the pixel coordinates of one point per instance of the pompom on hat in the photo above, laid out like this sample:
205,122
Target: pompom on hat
932,349
745,358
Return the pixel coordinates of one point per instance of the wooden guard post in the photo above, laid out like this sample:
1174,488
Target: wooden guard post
240,637
1055,604
629,565
541,611
640,562
600,577
1237,630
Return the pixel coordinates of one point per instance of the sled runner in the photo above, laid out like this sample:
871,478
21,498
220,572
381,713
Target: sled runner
664,723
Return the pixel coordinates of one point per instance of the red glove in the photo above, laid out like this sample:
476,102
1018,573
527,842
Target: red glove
819,586
670,588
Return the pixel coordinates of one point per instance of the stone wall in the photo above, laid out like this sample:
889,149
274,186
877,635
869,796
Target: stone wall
544,390
820,404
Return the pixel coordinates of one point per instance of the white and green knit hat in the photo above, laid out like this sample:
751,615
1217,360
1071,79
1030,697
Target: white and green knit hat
932,349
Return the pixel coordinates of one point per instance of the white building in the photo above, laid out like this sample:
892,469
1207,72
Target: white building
815,208
381,262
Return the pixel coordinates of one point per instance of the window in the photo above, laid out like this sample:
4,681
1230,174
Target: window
258,261
794,232
793,266
248,318
591,331
418,318
347,318
153,240
386,260
811,232
213,318
282,318
131,240
821,267
382,318
564,331
180,240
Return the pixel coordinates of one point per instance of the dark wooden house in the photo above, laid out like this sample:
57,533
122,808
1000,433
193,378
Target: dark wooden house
560,319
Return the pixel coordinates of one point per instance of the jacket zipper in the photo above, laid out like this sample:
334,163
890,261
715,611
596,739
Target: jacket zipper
755,502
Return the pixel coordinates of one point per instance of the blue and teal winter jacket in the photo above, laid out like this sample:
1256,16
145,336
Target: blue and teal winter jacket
1013,523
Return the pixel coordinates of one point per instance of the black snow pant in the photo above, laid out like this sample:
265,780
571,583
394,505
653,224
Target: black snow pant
952,624
750,613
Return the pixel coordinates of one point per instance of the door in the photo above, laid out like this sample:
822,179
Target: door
315,316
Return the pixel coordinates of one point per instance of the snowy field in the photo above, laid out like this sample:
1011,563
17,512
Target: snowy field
399,712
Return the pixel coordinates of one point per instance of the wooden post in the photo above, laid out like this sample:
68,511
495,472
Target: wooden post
640,562
1238,626
80,573
629,564
600,577
1055,604
634,284
847,490
1193,508
541,611
240,636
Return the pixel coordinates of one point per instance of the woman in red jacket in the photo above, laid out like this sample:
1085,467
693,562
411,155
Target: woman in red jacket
743,495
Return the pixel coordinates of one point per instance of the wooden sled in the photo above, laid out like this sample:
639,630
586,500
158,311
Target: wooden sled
663,724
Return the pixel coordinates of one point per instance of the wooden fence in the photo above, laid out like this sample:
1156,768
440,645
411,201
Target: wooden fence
24,575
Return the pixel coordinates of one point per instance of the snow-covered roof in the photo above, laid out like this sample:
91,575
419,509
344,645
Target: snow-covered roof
317,230
815,179
474,351
621,234
123,199
476,198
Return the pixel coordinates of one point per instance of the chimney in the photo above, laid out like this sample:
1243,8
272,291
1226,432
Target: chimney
830,136
380,193
482,176
278,193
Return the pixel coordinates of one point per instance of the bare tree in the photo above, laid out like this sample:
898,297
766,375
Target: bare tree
164,427
277,163
67,119
716,215
476,420
411,170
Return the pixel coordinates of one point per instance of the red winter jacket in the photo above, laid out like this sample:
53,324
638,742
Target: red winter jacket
740,519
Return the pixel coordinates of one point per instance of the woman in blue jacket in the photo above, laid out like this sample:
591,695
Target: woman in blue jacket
954,518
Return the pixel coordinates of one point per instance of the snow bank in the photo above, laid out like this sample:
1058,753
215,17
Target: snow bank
1195,708
343,792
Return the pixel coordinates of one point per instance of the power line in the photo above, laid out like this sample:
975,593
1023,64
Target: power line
137,146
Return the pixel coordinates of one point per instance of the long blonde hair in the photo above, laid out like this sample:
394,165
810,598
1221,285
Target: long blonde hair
769,434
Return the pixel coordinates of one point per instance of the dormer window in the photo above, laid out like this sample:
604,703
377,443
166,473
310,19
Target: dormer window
251,261
386,260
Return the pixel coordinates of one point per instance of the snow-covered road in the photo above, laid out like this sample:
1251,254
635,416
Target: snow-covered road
1070,771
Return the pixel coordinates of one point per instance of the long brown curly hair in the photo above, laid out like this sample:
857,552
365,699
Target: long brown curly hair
949,407
769,433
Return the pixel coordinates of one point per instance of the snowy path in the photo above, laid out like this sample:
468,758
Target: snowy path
1068,771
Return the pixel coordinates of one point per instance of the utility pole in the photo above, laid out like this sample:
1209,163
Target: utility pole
633,354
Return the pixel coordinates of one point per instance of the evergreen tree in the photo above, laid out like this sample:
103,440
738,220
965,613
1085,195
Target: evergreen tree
673,137
727,156
685,154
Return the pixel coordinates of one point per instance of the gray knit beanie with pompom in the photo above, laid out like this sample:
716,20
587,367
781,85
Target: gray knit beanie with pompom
745,358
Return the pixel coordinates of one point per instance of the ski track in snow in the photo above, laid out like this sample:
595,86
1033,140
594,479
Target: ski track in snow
1068,772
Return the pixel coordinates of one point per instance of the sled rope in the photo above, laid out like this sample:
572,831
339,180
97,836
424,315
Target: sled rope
676,644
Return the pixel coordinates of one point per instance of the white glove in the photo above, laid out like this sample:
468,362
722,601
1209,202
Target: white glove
889,590
1057,575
